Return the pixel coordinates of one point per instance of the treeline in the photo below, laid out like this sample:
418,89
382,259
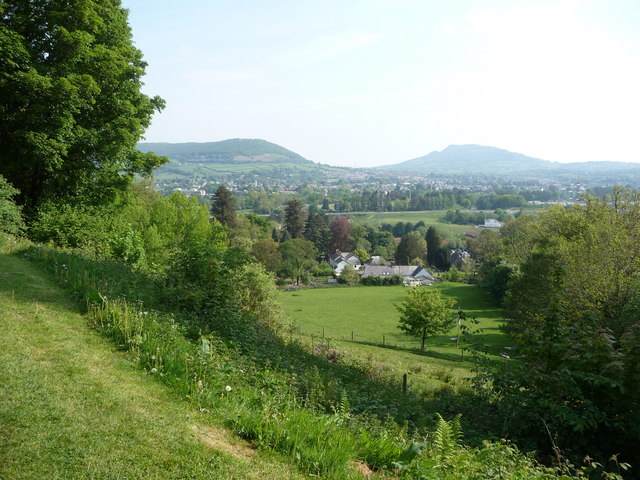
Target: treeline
344,200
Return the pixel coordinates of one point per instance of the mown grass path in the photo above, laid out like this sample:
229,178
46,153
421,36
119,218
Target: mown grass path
72,407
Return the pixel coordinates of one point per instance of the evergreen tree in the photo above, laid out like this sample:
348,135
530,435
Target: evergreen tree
317,231
223,209
294,218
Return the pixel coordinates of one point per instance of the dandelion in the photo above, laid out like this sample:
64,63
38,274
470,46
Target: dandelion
153,357
154,370
199,383
227,388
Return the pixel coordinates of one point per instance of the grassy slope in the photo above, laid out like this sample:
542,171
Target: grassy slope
369,313
71,407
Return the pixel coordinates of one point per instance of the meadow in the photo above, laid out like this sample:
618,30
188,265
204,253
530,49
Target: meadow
363,322
431,217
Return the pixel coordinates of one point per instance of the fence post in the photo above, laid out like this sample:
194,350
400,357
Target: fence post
312,345
383,339
352,335
322,332
404,383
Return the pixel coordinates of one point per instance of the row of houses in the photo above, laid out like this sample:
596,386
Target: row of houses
375,267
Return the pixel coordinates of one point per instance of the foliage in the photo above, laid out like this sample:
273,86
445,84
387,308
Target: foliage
412,246
294,218
349,276
569,290
10,214
379,281
267,252
317,231
299,257
72,108
424,313
438,253
223,208
340,230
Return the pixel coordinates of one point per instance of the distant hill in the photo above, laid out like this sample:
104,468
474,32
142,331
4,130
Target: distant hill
239,160
236,150
472,159
479,161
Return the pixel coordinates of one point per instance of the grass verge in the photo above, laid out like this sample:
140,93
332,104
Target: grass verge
71,407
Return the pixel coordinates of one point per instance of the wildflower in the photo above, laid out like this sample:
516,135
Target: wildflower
199,383
227,388
154,370
153,357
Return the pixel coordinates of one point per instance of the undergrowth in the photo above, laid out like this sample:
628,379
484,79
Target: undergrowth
325,417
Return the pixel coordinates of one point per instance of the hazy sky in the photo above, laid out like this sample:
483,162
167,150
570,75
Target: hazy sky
373,82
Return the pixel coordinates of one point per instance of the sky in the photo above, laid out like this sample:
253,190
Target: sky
375,82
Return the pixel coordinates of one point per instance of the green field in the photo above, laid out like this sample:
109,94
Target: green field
368,315
431,217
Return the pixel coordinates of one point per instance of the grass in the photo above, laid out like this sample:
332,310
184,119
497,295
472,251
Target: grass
72,407
430,218
359,319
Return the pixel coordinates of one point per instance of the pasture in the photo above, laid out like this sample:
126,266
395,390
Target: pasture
431,217
359,319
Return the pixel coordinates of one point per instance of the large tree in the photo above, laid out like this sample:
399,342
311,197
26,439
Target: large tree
412,246
294,218
438,254
71,107
223,208
340,229
425,313
299,257
317,231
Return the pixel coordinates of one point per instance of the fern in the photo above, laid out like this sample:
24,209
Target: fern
446,438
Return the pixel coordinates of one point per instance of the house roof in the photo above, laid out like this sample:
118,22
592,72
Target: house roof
408,271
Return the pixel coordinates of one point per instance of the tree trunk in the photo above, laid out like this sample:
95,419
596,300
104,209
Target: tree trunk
424,336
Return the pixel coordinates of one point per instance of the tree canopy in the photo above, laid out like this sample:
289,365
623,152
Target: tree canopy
412,246
223,208
71,106
424,313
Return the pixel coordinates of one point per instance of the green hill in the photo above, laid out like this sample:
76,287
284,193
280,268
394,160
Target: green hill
236,150
232,159
483,160
471,159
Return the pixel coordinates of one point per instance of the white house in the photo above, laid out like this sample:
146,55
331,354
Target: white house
340,260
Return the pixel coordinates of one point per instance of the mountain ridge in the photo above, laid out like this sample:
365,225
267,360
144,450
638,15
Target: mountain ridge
486,160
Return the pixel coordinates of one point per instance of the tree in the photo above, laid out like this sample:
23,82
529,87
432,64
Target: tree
424,313
411,246
223,208
438,255
299,257
266,252
10,215
71,106
294,218
317,231
340,229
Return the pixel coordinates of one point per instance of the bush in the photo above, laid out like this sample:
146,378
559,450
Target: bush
10,214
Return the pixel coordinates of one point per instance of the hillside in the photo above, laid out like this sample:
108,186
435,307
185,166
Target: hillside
72,407
233,159
483,160
236,150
